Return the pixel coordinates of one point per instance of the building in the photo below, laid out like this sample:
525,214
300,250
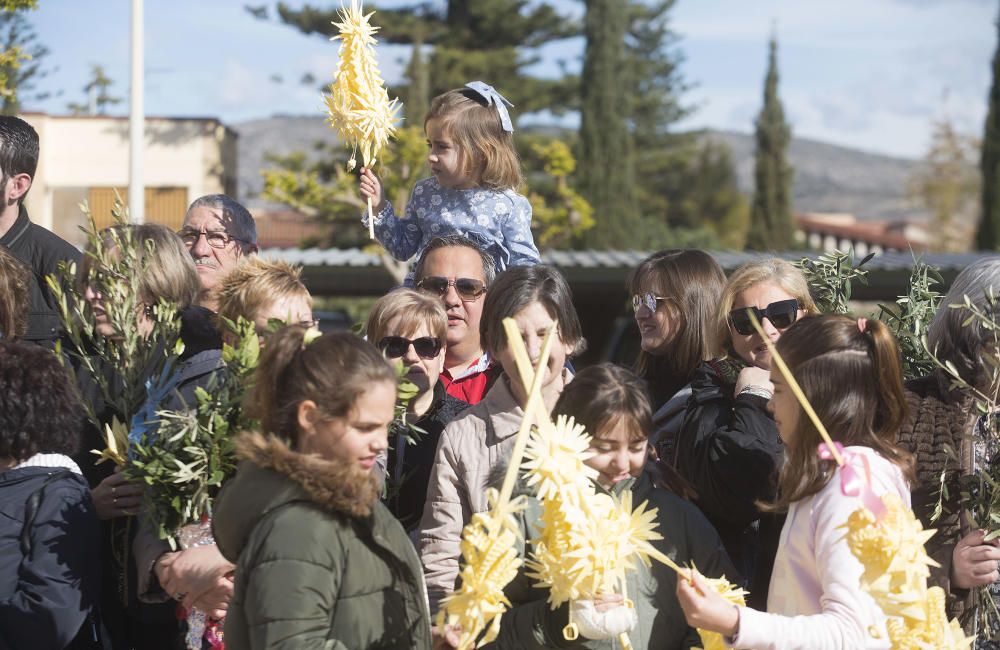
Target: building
86,159
828,232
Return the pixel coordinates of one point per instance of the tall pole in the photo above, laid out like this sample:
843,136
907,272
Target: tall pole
136,120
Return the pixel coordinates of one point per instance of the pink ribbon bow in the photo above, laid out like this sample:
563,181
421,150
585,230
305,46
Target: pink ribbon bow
853,483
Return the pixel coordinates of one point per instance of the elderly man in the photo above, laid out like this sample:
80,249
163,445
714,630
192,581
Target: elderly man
219,232
33,245
459,272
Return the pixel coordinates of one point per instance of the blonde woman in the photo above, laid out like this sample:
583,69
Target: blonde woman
728,446
410,327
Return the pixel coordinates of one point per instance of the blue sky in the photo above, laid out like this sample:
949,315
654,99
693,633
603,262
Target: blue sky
869,74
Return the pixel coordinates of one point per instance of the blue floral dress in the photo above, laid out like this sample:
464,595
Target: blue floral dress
498,220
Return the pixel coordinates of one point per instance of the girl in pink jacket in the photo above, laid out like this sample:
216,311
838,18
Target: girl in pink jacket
850,372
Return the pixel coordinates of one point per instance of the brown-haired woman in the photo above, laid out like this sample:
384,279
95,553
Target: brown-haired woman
943,422
675,295
537,298
15,296
320,561
850,372
728,446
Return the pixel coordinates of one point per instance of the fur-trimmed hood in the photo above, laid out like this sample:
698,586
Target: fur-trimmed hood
272,474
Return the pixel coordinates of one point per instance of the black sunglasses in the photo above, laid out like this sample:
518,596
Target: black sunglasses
468,289
781,314
426,347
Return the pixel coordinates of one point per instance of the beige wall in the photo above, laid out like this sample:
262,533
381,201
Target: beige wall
80,153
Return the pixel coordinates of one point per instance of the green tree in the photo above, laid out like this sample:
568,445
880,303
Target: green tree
606,173
492,40
559,213
771,213
21,57
988,235
947,185
98,97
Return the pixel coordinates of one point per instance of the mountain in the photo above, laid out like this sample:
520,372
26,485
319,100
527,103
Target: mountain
831,178
828,178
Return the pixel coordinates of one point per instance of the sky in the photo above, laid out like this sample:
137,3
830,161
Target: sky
867,74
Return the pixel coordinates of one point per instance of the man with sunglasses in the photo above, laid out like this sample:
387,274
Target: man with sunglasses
218,232
459,272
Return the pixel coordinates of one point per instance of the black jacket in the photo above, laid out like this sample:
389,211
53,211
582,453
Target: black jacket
42,251
48,596
407,478
729,449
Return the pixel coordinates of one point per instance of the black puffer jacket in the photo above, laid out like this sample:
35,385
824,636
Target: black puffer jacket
41,250
407,476
47,596
729,449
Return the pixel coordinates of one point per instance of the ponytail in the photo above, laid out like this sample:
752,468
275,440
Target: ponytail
850,372
888,372
332,371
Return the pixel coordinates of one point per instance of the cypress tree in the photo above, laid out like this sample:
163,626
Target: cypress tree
988,234
771,214
604,169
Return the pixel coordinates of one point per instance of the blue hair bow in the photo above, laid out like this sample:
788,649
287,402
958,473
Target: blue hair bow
493,98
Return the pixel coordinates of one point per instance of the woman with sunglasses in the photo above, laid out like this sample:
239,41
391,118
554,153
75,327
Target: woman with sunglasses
410,327
675,295
728,445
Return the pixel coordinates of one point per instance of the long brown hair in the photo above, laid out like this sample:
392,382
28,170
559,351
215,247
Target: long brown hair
15,296
691,281
851,374
332,371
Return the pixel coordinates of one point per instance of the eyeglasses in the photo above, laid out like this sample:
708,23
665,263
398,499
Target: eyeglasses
426,347
215,238
650,300
781,314
468,289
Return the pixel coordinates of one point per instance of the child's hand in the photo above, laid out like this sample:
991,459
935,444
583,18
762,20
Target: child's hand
371,188
705,609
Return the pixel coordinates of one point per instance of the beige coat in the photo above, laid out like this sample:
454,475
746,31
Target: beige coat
470,447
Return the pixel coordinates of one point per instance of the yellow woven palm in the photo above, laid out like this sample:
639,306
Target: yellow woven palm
891,551
733,594
491,562
358,105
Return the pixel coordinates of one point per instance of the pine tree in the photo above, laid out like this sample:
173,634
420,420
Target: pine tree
771,215
988,235
605,170
21,57
490,40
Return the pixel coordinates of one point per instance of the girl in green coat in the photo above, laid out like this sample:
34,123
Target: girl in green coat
320,562
612,404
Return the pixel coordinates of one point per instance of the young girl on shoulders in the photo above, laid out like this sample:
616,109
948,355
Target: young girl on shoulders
850,372
473,191
612,404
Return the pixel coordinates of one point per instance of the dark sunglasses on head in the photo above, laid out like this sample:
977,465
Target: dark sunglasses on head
468,289
781,314
426,347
